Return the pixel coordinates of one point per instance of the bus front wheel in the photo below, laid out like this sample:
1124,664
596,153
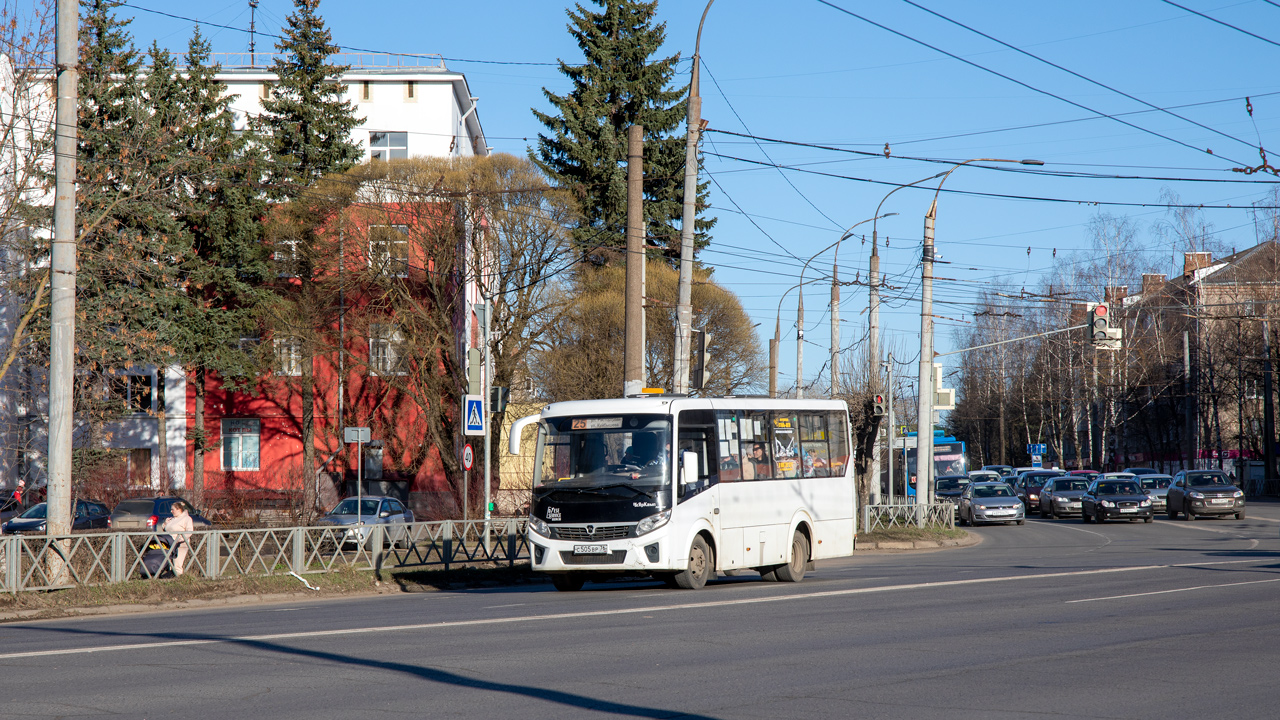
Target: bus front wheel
701,565
794,570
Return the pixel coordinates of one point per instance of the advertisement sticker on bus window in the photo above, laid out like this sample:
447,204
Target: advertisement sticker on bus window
597,423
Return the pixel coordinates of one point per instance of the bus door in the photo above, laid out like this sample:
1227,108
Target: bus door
697,434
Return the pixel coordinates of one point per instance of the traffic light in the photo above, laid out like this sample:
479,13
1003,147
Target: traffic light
877,405
475,368
1099,322
698,375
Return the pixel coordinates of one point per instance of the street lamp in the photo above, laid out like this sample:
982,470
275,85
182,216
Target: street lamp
684,306
777,338
924,418
800,308
835,301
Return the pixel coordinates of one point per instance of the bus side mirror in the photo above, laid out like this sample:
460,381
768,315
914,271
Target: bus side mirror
688,468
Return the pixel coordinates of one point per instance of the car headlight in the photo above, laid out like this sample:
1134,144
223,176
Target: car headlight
1145,503
981,507
1108,503
1196,495
1237,494
653,522
539,526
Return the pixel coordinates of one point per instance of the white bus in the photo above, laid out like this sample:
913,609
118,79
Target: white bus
758,484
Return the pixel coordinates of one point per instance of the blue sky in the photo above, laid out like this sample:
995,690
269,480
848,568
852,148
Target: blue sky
804,71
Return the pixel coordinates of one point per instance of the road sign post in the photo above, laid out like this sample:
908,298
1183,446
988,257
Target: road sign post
473,415
359,436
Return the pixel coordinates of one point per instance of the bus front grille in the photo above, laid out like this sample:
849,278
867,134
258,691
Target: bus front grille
602,532
568,558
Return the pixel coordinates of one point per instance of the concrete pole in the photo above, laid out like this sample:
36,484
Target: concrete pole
835,330
873,357
924,420
1268,406
688,222
633,377
888,366
800,343
773,365
488,419
62,296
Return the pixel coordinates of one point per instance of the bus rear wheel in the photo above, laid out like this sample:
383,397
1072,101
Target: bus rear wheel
794,570
568,582
701,565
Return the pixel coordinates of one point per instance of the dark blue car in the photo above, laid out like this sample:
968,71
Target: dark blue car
89,515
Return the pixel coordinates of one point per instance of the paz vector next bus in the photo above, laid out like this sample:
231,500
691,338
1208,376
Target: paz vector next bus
679,488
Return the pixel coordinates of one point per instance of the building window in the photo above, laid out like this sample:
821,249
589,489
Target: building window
266,90
410,91
389,249
240,443
388,145
366,91
132,392
288,356
286,257
386,350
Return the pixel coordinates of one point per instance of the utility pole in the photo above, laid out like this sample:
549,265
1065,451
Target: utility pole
873,355
835,330
253,48
924,419
633,364
1189,404
1268,406
800,344
888,366
688,221
62,296
773,360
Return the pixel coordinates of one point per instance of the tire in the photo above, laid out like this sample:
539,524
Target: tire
1046,514
1186,512
1240,515
1023,521
1085,517
793,572
1171,511
701,566
768,574
1149,518
568,582
1098,518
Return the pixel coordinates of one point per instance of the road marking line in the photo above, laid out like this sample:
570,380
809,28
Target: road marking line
601,613
1164,592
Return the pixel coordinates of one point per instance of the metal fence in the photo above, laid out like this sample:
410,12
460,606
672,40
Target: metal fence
32,562
884,517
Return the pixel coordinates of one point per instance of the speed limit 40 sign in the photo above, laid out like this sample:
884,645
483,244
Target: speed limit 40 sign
468,457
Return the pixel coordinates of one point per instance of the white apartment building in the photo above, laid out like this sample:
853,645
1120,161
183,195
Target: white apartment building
411,105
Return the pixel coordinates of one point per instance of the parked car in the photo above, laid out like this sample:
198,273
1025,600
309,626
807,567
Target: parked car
1204,492
999,470
984,476
139,514
1029,484
1157,488
10,508
1061,496
88,515
1142,471
1087,475
1114,498
363,513
990,502
949,487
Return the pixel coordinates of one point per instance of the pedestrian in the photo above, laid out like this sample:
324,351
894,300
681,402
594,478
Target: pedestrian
180,527
17,494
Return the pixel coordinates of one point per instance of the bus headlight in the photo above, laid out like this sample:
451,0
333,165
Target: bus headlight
653,522
539,526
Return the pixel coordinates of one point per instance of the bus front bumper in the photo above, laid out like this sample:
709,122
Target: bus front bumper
647,553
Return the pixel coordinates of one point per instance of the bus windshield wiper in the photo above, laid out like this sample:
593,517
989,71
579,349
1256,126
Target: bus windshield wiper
628,486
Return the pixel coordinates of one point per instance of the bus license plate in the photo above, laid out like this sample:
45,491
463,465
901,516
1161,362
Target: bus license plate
590,549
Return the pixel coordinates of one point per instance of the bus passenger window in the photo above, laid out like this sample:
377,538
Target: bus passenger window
786,449
730,450
815,456
838,439
758,461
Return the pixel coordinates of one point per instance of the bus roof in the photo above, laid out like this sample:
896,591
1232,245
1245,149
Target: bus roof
666,404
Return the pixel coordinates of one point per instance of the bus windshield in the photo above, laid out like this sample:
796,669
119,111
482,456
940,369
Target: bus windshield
583,453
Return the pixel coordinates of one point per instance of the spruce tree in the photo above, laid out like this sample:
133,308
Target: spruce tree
132,251
308,124
619,85
220,206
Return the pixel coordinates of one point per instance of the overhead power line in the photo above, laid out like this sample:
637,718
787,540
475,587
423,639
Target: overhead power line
1224,24
1026,85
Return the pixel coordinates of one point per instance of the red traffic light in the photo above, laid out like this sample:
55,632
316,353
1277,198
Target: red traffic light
1100,310
879,399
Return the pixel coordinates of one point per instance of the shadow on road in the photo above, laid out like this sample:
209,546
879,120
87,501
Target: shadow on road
414,671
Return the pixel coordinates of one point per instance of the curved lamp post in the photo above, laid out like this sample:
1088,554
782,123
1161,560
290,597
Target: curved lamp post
924,417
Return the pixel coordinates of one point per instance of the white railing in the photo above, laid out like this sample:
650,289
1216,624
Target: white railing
884,517
43,562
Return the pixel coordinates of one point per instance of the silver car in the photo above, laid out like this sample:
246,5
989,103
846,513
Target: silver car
990,502
359,517
1061,496
1157,488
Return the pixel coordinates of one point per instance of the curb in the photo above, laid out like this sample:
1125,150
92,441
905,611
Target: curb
969,540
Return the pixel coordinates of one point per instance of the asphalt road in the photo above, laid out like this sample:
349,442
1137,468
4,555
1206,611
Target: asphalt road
1168,620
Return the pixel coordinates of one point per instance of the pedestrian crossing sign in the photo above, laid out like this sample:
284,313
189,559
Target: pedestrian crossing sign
473,415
